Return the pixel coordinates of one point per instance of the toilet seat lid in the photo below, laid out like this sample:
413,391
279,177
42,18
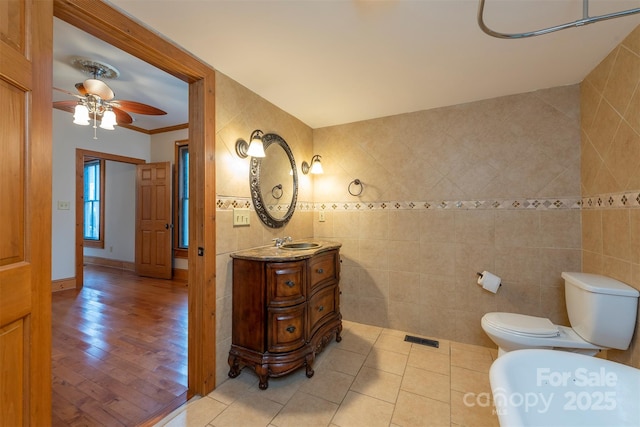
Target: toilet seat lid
523,324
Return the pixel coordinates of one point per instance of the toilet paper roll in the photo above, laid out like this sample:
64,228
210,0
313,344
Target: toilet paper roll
489,281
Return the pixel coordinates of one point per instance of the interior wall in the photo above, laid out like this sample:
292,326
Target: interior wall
239,112
163,145
449,192
610,178
66,138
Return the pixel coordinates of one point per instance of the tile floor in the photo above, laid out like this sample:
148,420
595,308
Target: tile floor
371,378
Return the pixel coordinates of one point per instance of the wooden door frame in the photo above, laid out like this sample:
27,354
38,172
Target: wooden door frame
108,24
81,156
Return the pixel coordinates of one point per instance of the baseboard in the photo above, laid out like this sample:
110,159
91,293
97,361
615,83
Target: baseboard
181,274
63,284
106,262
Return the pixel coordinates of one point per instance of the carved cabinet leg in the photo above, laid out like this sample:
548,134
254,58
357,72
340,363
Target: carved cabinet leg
263,377
309,364
234,366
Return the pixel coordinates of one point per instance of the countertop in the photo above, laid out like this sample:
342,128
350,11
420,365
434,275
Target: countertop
272,253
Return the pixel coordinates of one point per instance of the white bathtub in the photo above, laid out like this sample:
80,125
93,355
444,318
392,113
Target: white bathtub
556,388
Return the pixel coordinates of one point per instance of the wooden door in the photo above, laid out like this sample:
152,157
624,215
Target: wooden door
25,212
154,228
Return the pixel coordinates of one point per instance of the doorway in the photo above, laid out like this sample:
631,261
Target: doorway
134,228
81,157
102,21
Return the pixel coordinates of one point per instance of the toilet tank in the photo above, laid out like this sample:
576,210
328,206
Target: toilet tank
601,310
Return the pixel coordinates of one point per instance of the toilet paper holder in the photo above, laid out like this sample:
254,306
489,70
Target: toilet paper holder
480,275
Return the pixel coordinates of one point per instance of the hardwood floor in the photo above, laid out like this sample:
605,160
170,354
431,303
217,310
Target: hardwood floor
119,349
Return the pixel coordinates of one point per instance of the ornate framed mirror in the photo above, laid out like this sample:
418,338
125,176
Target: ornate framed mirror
273,181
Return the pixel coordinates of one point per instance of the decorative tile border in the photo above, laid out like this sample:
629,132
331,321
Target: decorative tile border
629,199
603,201
511,204
227,203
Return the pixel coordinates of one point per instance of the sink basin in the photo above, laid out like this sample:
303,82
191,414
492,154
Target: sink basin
300,246
538,387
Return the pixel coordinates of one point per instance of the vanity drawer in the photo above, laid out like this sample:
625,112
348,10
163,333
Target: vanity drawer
322,304
286,329
322,268
285,283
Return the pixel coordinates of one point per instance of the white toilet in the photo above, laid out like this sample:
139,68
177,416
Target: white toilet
602,312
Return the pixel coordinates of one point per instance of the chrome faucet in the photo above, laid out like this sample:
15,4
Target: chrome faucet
282,240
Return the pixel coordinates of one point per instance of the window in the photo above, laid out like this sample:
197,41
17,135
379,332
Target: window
94,202
181,204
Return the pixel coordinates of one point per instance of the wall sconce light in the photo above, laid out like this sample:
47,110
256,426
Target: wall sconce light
315,168
254,148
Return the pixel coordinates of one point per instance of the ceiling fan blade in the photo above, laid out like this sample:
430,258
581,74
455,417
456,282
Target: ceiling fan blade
98,87
81,89
67,92
138,108
122,117
68,106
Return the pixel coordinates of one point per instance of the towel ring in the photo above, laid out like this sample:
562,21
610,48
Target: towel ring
355,182
275,190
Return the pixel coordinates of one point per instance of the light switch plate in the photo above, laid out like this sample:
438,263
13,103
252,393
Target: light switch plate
63,205
241,217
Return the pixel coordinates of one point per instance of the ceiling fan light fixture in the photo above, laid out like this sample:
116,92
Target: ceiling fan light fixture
108,120
97,103
81,115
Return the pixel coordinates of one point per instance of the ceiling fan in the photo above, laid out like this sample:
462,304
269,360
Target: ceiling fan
97,101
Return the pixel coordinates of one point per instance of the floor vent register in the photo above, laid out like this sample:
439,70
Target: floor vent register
422,341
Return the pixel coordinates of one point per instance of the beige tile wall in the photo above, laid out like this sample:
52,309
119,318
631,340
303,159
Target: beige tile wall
415,269
238,112
610,107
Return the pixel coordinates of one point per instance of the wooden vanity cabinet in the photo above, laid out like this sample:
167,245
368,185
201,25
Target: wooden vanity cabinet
285,311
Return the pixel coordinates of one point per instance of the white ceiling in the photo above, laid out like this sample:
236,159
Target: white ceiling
330,62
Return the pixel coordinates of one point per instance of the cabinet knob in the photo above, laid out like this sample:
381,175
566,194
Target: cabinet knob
291,329
320,271
321,308
290,283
